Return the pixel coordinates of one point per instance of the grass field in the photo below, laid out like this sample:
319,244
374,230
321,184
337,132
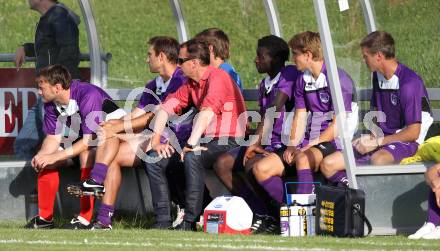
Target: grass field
125,26
14,238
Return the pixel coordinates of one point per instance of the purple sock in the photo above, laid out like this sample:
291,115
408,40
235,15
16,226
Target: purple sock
99,172
256,204
433,210
339,177
274,187
305,177
105,214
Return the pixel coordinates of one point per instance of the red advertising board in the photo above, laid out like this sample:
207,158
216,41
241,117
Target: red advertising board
18,93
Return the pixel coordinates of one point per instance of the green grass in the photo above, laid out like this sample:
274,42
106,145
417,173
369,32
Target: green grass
14,238
125,26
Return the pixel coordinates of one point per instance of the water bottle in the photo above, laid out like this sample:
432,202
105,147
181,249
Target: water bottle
284,220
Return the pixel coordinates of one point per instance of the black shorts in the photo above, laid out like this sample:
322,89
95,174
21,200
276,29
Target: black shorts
326,148
289,170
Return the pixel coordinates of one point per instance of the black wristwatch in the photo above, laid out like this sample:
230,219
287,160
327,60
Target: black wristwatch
189,146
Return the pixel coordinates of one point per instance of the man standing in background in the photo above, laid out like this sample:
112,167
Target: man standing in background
56,42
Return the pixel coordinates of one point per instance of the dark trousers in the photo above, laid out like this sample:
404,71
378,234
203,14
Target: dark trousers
158,174
195,164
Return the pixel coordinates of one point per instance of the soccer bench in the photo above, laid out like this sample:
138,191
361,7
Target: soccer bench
396,195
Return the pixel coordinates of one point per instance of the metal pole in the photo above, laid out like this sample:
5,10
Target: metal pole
180,20
94,47
9,57
273,17
368,15
335,87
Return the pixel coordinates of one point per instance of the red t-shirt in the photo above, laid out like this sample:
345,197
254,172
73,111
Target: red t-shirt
215,90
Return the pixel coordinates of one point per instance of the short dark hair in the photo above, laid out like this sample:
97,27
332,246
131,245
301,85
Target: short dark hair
197,49
55,74
277,47
168,45
218,40
379,41
307,41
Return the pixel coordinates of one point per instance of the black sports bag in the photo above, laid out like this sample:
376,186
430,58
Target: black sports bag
340,211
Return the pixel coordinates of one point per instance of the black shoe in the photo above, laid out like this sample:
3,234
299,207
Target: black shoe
258,224
99,226
186,226
38,223
75,223
272,226
166,225
264,224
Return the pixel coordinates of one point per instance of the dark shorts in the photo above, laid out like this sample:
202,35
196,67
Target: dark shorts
399,150
289,170
238,154
326,148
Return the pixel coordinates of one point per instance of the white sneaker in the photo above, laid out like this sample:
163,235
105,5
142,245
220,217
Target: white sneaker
200,222
434,235
427,228
179,216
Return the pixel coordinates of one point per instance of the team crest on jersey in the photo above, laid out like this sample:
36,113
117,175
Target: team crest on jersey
158,91
324,97
394,98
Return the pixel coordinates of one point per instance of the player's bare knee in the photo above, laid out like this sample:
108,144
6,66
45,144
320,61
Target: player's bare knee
301,161
380,160
261,171
326,166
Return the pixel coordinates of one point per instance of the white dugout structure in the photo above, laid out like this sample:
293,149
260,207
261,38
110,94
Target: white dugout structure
395,195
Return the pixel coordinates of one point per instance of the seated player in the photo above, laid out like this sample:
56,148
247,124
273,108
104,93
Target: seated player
274,91
218,43
400,95
431,229
123,150
311,139
221,108
67,103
